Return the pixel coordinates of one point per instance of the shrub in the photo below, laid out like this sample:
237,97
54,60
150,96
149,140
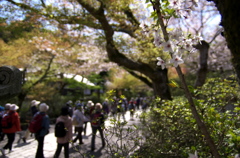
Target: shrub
171,131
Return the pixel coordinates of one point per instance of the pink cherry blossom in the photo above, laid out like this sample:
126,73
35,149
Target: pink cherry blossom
176,60
161,63
168,46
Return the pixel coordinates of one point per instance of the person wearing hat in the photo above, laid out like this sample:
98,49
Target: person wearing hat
105,106
34,107
34,110
69,104
79,116
97,123
10,132
64,141
43,108
87,112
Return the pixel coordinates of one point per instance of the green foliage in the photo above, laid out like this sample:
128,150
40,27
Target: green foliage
165,10
171,130
72,83
16,29
218,104
127,85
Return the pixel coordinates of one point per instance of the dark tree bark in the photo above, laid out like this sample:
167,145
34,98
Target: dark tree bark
21,97
203,48
230,12
158,77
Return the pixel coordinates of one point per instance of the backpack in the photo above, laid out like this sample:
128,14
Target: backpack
36,123
60,129
75,120
6,121
131,106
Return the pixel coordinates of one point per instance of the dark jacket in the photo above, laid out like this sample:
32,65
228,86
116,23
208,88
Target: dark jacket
45,125
97,119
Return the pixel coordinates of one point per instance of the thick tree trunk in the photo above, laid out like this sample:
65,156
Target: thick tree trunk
203,48
160,81
158,77
231,23
21,98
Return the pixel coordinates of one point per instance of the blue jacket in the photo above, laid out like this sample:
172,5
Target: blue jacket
45,126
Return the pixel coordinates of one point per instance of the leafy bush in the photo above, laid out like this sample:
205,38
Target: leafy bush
171,131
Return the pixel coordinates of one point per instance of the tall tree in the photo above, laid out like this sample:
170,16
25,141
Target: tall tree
230,20
204,20
107,18
175,51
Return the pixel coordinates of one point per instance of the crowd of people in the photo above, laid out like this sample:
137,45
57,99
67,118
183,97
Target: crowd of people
10,125
75,117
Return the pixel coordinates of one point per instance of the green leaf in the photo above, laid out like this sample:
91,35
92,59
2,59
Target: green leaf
173,84
191,89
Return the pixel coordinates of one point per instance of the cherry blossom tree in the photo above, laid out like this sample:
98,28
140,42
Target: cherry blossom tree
204,20
121,17
174,45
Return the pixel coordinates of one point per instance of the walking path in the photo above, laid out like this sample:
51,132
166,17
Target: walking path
28,149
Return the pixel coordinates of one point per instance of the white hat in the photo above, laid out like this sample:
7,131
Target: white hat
14,107
7,106
98,105
35,102
69,102
90,103
43,107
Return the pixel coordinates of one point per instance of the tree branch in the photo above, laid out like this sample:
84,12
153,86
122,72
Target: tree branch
43,3
156,7
23,6
216,34
131,17
143,79
44,75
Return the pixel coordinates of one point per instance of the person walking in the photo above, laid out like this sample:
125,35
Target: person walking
33,110
14,127
77,103
105,106
131,107
7,108
43,108
69,104
113,106
138,102
97,123
64,141
87,112
78,120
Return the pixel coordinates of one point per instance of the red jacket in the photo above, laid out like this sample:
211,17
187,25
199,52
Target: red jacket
15,121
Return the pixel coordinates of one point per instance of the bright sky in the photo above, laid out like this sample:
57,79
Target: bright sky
79,79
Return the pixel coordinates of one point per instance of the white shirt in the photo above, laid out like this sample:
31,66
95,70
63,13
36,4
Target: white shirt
80,117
